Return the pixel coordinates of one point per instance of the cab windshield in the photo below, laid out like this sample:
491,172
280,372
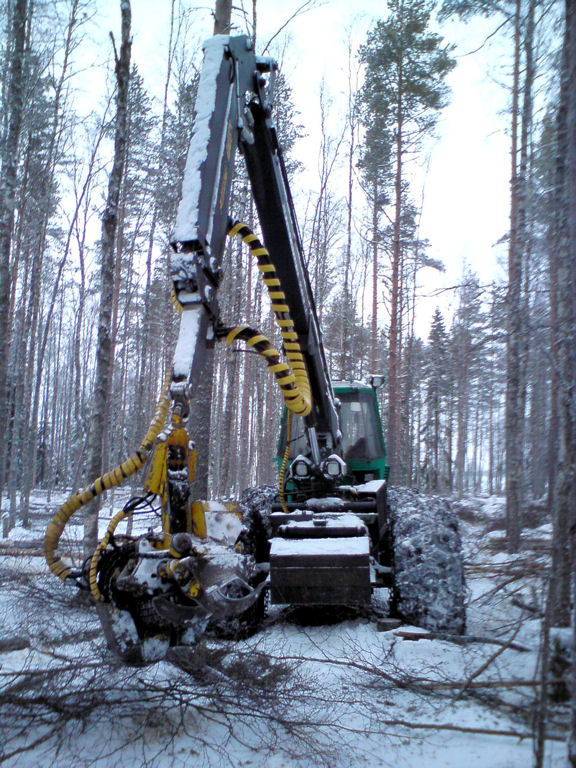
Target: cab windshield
361,438
359,424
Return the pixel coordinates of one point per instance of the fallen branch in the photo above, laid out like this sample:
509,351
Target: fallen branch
481,599
533,609
532,543
406,683
524,562
16,643
19,551
483,667
468,639
465,729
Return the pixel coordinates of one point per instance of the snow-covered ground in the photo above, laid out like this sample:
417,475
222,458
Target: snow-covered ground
295,693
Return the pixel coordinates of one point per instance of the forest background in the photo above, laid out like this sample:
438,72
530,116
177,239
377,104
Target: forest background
481,398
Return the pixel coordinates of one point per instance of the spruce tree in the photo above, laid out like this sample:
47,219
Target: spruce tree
437,388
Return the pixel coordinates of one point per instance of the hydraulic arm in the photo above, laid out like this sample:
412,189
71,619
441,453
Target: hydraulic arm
234,111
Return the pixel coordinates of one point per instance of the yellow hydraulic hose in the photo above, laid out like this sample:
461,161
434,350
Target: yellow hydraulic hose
93,573
111,479
175,302
292,378
286,379
284,464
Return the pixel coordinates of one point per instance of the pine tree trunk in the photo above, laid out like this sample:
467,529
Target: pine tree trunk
567,311
222,15
461,429
34,382
109,224
349,308
375,238
560,595
514,418
524,233
8,184
393,344
147,379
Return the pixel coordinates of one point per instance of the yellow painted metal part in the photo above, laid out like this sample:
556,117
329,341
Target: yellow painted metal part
197,522
176,453
156,480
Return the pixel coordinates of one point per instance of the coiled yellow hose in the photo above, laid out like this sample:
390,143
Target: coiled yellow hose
111,479
293,378
93,573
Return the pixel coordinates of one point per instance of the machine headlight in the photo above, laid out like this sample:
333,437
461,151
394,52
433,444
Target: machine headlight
301,467
334,467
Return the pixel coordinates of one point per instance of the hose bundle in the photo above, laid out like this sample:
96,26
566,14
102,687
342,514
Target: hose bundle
292,377
111,479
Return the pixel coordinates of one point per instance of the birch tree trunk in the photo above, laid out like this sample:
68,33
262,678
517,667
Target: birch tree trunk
109,225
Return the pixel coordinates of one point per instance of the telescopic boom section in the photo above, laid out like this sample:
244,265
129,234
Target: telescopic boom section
234,109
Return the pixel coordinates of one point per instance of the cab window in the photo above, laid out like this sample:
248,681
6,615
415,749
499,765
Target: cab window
361,438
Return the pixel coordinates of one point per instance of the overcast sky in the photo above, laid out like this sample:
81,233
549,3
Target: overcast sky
463,178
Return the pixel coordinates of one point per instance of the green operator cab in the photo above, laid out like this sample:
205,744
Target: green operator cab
363,446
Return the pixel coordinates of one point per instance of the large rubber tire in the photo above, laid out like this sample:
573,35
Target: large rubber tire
429,587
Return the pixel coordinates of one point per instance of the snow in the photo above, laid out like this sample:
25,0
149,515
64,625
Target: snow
345,520
222,524
542,530
187,340
20,534
326,504
351,545
299,693
372,486
185,229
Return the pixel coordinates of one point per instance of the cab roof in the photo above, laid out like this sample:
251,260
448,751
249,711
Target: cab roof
340,385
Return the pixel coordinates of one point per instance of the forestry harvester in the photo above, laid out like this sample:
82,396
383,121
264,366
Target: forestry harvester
332,531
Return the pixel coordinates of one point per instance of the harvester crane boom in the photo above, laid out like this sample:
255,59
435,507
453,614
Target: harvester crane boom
234,111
